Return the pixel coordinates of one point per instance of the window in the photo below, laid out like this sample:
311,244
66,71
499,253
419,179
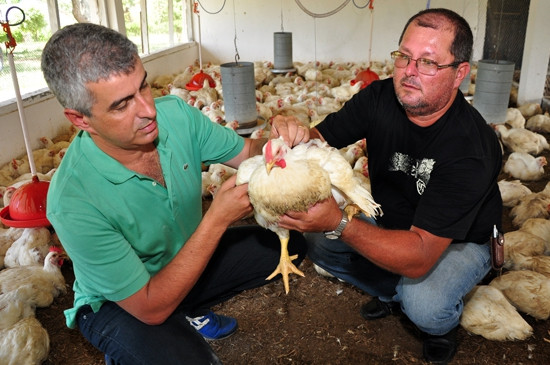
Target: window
152,25
165,22
30,37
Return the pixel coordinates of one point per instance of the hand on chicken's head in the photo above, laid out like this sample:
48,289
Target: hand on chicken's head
290,129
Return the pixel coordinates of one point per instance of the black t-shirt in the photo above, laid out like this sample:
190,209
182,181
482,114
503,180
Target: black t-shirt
441,178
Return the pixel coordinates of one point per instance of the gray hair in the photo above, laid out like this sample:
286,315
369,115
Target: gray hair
83,53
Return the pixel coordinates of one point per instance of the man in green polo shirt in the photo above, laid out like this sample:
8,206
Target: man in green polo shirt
126,204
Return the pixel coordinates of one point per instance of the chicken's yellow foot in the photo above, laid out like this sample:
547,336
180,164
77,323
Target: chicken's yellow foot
352,210
285,266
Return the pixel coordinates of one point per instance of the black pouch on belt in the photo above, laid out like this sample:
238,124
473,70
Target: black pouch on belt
497,249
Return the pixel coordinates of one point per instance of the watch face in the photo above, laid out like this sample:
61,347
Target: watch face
332,236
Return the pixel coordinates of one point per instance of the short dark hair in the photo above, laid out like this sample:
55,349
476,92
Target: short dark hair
462,45
82,53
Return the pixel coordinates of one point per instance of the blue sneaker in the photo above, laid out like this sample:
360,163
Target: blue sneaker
213,326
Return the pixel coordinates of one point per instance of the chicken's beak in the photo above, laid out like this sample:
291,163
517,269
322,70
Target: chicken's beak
269,166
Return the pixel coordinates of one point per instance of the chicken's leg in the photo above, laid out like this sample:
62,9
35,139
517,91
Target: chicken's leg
285,264
352,210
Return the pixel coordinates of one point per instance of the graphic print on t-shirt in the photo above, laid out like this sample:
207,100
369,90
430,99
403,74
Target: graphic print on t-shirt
418,169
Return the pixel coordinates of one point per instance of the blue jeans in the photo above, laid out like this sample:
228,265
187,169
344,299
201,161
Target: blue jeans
244,258
433,302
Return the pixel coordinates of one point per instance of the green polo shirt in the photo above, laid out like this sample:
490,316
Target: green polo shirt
119,227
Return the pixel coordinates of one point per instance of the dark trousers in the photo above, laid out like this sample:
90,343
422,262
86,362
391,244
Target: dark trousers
245,257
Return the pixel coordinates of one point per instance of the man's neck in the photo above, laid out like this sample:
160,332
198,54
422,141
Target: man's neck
123,155
428,120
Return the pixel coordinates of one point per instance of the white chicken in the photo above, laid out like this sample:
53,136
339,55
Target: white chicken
488,313
7,237
13,308
530,109
521,140
7,194
10,171
539,227
182,79
58,157
361,171
215,115
54,146
162,81
534,205
25,178
30,248
514,118
43,160
520,244
523,166
233,125
216,175
264,111
205,95
205,184
528,291
362,166
539,263
260,73
180,92
512,191
47,281
354,151
24,343
221,172
276,185
259,133
539,123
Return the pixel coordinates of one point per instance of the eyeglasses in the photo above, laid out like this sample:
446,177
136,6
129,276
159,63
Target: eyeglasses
423,65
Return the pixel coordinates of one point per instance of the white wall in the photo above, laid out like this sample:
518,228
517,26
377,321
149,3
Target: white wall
344,36
43,116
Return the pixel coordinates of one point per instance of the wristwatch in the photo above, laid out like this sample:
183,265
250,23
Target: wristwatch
333,235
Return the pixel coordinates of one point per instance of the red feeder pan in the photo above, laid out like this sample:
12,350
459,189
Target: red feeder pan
197,82
27,206
367,76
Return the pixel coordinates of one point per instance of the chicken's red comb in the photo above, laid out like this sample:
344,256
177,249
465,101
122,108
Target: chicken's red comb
268,153
56,249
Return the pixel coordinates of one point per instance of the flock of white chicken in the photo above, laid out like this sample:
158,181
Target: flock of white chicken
31,277
310,93
493,310
30,263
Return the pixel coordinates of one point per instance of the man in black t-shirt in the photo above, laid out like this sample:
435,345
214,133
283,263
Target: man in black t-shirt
433,164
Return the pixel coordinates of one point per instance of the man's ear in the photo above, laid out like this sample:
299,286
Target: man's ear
78,119
462,72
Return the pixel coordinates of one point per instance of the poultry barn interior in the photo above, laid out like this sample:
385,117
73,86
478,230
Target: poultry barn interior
332,44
